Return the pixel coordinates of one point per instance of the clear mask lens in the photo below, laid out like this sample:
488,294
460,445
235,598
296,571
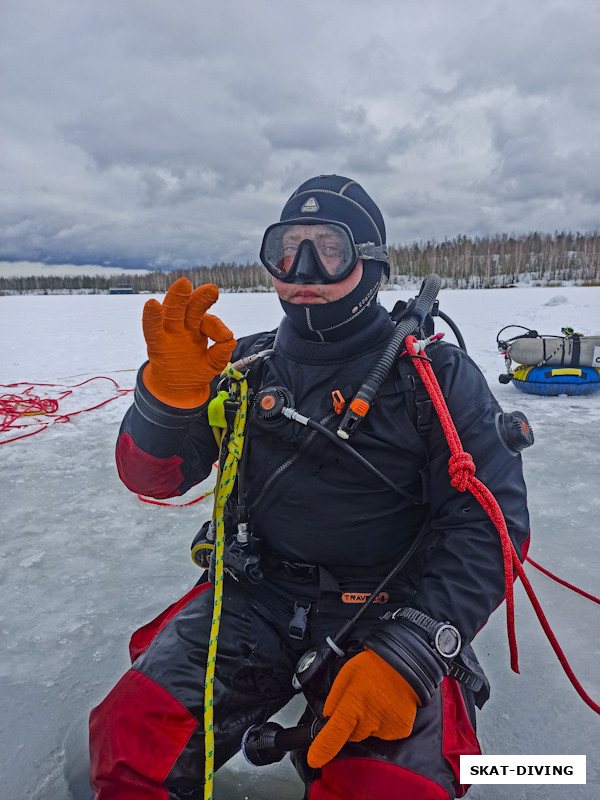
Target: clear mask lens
328,247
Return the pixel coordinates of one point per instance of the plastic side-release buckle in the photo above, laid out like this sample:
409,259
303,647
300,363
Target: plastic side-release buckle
297,626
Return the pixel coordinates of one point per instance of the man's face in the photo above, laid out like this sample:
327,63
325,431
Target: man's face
329,247
326,239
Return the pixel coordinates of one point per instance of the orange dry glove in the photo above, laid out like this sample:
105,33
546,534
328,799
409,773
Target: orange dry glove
177,332
368,698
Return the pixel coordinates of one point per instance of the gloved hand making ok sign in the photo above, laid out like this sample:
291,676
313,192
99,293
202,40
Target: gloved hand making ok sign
177,332
368,698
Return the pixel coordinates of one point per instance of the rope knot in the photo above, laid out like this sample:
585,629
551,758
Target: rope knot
461,467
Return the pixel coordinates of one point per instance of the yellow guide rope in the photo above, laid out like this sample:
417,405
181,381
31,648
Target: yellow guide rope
225,483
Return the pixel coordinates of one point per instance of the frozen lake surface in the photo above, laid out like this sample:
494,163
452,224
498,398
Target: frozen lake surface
84,562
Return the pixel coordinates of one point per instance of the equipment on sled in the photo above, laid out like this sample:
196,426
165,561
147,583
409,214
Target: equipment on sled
551,365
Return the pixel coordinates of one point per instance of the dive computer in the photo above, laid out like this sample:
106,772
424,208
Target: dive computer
445,638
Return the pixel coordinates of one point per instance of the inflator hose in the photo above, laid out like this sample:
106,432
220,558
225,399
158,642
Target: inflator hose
454,328
372,383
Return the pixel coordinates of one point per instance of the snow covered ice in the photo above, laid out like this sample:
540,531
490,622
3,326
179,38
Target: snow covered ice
84,562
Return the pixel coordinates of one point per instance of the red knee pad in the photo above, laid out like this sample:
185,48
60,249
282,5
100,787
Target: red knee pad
357,778
136,735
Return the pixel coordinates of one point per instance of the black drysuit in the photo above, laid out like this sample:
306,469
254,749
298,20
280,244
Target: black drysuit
330,530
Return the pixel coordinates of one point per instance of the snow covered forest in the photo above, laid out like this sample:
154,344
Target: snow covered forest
497,261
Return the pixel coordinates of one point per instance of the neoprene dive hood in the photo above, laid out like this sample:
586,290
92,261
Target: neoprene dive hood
338,199
332,197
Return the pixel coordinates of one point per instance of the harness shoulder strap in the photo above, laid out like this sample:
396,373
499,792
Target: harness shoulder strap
423,409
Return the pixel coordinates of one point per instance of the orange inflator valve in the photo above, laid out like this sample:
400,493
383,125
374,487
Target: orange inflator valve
360,407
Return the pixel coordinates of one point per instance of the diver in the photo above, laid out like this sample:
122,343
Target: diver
316,532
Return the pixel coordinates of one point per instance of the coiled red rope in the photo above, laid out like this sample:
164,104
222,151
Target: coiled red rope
462,474
22,410
19,411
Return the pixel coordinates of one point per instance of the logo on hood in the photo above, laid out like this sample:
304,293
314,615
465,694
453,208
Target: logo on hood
366,300
310,206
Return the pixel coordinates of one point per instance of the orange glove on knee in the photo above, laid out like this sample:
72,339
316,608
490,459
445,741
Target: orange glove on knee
181,363
368,698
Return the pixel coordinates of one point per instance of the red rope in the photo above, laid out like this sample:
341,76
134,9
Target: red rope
176,505
562,582
462,469
173,505
16,408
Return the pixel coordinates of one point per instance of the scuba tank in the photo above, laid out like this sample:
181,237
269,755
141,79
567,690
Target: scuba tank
551,365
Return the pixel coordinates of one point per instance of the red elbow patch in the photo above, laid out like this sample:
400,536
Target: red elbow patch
145,474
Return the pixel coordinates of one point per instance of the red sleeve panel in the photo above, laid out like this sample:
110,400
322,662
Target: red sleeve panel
146,474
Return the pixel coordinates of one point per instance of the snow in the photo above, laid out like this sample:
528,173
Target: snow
84,562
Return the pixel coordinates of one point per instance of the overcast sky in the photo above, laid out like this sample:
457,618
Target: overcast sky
144,133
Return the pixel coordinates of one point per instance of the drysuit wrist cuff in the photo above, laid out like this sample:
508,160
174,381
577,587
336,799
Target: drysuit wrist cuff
410,655
159,413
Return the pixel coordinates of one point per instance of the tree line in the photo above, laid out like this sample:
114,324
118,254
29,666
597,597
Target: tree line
502,260
463,262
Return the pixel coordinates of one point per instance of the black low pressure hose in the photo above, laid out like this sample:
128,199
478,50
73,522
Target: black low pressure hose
355,454
414,317
454,328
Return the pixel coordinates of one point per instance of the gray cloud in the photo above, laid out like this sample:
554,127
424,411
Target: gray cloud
141,134
541,50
